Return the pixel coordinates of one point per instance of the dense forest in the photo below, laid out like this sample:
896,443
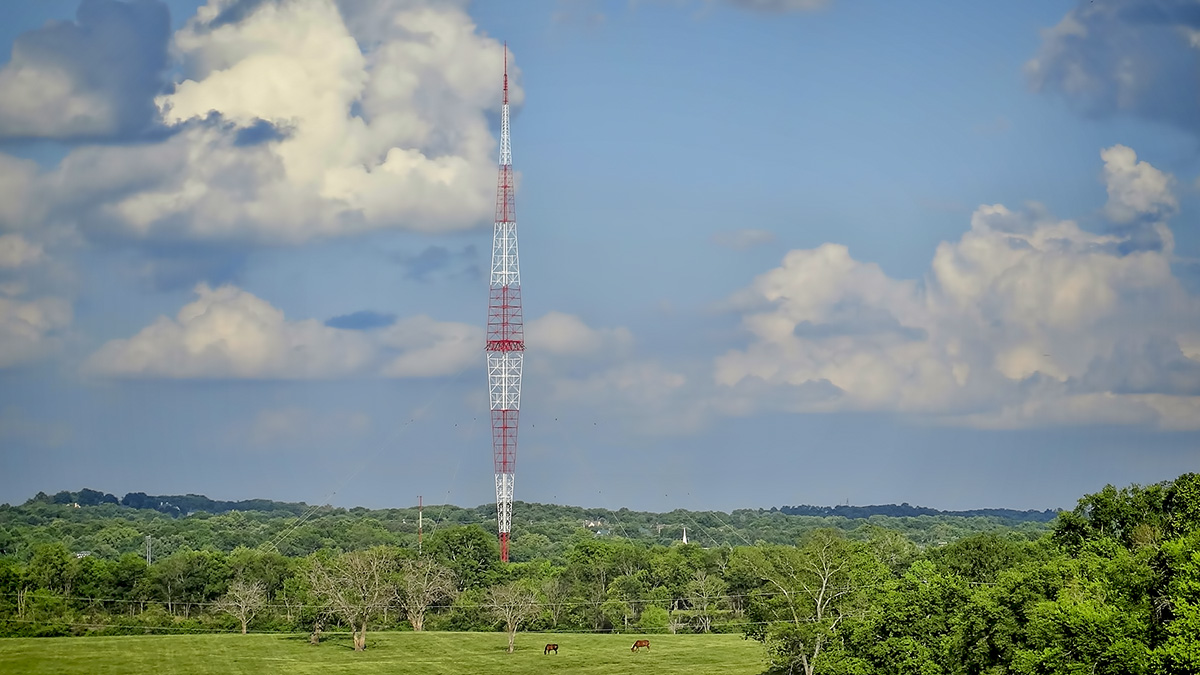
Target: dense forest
1110,587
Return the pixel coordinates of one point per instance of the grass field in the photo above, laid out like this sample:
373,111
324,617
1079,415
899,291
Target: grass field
391,653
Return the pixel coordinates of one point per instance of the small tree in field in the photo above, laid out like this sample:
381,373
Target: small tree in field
422,583
355,586
513,603
243,601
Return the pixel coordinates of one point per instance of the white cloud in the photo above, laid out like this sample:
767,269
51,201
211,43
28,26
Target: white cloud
18,203
90,78
31,330
17,251
1025,320
744,238
303,119
1136,189
431,348
562,334
1168,413
229,333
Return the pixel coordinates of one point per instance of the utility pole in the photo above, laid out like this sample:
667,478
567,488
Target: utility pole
420,504
505,333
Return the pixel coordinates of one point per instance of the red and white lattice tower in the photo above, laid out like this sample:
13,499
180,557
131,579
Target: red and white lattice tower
505,334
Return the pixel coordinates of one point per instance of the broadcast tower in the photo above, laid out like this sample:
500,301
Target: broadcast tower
505,334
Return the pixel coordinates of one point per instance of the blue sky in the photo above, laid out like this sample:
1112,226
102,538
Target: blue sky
773,252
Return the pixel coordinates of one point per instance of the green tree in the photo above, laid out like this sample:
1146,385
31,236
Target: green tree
807,592
51,569
1182,503
910,626
1179,652
980,558
653,620
470,552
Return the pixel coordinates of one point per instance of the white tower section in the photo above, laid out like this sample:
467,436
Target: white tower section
505,334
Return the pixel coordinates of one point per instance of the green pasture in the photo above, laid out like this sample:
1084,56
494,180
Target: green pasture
391,653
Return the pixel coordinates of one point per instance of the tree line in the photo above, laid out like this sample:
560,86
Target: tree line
1112,587
108,529
179,505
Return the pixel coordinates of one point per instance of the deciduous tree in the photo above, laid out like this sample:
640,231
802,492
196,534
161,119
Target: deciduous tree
513,603
243,601
807,593
422,582
357,587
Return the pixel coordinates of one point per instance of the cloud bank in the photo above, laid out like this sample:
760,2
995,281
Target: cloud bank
291,120
229,333
1026,320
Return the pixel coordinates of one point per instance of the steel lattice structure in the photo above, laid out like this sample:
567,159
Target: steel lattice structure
505,334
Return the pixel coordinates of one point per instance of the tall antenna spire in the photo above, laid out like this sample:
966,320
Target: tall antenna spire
505,333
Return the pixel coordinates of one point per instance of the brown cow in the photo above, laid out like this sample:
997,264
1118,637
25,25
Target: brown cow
640,643
550,648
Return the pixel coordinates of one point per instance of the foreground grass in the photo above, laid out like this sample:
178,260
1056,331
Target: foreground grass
391,653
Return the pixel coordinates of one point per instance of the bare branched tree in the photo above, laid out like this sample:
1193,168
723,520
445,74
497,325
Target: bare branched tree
357,587
513,603
243,601
707,594
555,593
422,583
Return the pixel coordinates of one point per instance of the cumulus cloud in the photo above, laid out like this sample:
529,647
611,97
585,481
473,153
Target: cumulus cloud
93,77
562,334
31,330
17,251
302,119
19,203
430,348
1136,190
228,332
1025,320
1124,56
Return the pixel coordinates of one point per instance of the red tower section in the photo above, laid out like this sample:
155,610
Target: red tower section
505,334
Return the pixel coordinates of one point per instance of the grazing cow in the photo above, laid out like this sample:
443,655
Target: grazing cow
550,648
640,643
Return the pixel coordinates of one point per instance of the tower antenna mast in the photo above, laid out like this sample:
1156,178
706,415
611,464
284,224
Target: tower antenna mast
505,333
